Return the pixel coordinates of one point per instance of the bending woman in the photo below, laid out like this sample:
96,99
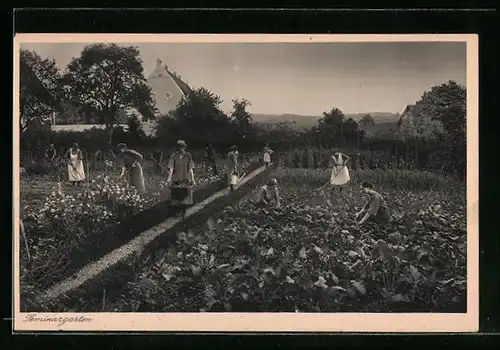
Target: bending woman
132,167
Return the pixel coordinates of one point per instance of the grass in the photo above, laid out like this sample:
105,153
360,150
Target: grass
404,180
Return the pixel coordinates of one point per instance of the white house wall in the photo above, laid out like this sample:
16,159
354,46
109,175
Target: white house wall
165,91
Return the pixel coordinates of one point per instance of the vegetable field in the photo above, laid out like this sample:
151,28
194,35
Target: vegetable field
309,255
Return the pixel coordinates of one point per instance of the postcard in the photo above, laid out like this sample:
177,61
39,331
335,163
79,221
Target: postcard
246,183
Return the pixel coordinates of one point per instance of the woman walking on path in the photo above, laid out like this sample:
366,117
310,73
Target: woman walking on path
76,173
267,155
340,173
181,178
232,166
132,167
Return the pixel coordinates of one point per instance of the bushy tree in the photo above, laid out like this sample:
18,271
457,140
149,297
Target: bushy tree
335,130
135,132
367,121
437,130
40,89
197,119
242,123
107,78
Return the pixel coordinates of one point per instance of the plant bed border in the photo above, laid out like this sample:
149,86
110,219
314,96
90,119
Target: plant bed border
105,279
119,233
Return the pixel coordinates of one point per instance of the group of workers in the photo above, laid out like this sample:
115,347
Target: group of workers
181,179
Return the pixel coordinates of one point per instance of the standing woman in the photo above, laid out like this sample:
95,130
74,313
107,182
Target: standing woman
267,155
181,177
232,165
76,173
340,173
132,167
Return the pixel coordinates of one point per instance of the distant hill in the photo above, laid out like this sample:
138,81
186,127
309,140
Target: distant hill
300,121
308,121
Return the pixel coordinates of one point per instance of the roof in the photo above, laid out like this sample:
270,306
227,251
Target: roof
160,69
410,111
186,90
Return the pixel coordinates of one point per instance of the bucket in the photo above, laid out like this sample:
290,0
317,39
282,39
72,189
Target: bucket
234,179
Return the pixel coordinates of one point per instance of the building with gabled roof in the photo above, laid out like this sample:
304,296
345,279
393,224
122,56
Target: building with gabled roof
167,88
411,111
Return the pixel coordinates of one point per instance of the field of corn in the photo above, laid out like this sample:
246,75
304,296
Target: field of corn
320,158
309,255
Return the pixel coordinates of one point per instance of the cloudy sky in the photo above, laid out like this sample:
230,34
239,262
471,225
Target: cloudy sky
302,78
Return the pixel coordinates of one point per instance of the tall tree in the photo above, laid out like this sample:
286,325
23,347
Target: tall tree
198,119
447,104
40,89
135,131
367,121
107,78
330,127
242,120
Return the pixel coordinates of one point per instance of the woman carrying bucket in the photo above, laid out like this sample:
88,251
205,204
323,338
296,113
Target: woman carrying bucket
181,178
232,167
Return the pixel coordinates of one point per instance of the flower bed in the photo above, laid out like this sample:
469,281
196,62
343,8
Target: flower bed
114,277
73,228
308,256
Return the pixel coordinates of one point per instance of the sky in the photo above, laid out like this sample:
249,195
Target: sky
301,78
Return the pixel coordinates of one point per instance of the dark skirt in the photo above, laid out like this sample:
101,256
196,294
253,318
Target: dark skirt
136,178
383,218
181,195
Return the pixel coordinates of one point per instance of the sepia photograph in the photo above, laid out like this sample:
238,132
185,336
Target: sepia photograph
246,182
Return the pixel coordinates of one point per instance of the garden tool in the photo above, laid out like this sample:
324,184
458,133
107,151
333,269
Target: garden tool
157,163
21,226
313,191
134,164
234,179
241,178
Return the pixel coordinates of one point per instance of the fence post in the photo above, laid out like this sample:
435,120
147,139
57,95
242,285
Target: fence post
87,164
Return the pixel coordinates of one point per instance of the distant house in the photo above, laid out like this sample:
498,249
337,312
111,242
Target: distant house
411,111
147,127
167,90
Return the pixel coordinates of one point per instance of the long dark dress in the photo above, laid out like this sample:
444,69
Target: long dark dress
181,188
135,176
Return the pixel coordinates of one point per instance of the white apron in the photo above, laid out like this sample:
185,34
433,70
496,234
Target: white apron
340,172
75,168
267,155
